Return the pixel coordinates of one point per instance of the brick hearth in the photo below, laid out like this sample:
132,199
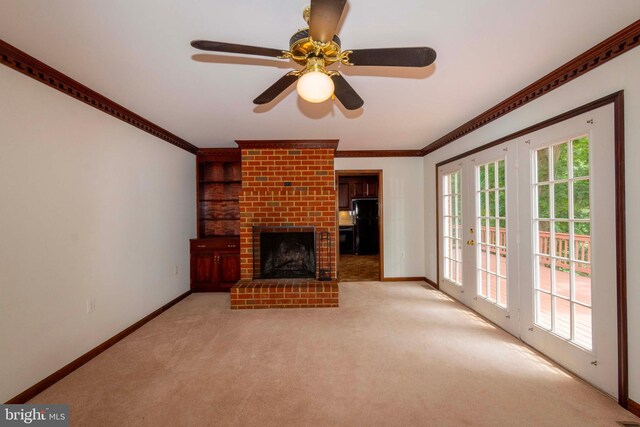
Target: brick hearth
284,293
292,184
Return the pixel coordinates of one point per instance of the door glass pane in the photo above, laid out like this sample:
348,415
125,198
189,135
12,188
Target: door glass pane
492,175
492,204
492,288
482,176
502,205
562,279
581,204
562,317
483,257
582,241
482,234
562,239
582,282
560,161
452,226
582,326
544,238
561,200
543,273
543,309
542,163
544,202
562,256
482,291
491,211
502,292
580,157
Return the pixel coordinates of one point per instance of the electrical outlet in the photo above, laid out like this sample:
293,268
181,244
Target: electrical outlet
175,270
91,305
402,254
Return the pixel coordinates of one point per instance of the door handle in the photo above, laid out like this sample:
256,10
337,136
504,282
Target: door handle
470,242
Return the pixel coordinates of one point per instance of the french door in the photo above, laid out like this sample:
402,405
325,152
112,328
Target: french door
476,208
523,242
568,229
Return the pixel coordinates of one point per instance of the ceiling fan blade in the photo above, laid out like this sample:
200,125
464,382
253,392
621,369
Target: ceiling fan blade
345,93
235,48
325,15
275,89
394,57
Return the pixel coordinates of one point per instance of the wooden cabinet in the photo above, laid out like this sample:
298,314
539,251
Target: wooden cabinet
356,187
344,196
215,254
371,187
215,264
227,271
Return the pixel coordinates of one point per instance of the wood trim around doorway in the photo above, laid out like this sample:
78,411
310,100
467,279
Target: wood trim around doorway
364,172
617,99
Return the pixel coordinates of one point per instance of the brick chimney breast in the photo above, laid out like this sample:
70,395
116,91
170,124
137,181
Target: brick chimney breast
286,183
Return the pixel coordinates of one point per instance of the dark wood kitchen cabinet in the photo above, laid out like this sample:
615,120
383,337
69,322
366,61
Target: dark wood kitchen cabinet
344,196
371,187
215,254
356,187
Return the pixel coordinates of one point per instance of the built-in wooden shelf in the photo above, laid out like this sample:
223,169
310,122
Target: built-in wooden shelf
219,186
215,254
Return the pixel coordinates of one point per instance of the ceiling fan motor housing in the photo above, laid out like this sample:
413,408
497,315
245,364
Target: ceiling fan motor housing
301,45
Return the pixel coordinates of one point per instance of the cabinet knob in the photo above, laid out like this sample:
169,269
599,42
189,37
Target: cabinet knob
202,246
231,246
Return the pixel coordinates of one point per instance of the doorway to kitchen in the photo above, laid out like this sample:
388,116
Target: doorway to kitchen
360,243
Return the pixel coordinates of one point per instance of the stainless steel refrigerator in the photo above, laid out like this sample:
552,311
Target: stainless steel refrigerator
367,236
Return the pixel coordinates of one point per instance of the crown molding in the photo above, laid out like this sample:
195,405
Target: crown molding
378,153
619,43
26,64
287,143
218,151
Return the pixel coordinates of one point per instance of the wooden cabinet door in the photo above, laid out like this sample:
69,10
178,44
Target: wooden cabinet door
357,189
371,187
344,198
203,268
227,269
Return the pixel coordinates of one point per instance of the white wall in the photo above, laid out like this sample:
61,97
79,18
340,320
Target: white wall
90,207
403,211
619,74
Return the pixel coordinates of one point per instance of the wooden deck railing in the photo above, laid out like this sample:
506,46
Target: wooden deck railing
582,247
582,250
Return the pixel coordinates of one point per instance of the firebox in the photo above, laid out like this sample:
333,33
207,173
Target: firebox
284,252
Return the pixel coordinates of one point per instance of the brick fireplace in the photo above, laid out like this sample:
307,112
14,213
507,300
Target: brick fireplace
287,185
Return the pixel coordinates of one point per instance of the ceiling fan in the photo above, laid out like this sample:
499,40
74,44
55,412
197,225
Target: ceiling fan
316,48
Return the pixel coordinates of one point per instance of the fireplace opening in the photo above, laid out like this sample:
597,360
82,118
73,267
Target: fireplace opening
284,252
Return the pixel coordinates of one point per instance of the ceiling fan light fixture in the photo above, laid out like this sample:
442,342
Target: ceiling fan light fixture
315,86
318,47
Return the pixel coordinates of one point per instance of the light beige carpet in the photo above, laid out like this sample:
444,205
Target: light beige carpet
392,354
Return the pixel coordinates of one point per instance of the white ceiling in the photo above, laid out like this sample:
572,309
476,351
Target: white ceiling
137,53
